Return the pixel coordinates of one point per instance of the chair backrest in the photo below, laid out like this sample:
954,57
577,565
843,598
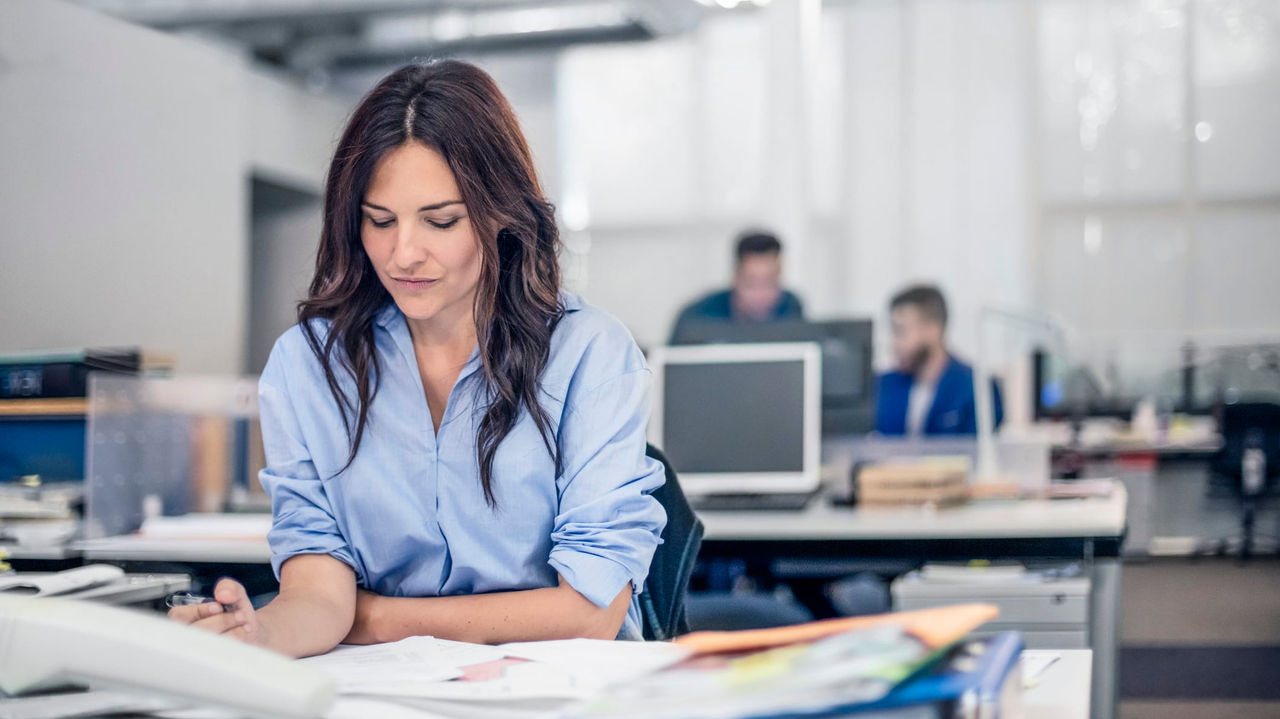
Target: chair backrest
662,604
1249,425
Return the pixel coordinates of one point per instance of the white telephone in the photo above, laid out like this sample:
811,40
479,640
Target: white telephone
48,643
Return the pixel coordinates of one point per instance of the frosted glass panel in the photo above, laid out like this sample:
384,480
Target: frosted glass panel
733,70
1237,76
629,145
1111,99
1235,283
826,119
1122,275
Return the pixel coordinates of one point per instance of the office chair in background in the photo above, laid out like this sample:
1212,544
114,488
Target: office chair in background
662,604
665,603
1248,466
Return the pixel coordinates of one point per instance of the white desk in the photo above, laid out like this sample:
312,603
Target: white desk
995,519
135,548
1062,692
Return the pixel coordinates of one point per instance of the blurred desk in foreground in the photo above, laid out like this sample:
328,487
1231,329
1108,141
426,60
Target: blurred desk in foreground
827,542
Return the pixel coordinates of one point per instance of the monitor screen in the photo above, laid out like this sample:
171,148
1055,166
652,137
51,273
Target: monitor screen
848,379
734,417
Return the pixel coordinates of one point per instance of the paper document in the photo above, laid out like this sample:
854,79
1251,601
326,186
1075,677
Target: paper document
389,668
42,584
1034,666
430,671
600,662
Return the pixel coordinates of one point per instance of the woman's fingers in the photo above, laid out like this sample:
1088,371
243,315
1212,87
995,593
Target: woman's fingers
232,594
230,611
221,622
195,612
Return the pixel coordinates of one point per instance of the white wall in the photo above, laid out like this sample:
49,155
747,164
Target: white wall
292,132
121,188
125,158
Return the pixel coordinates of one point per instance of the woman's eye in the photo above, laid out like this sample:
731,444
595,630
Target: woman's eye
444,225
382,224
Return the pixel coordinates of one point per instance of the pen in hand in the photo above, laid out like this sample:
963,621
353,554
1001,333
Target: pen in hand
186,599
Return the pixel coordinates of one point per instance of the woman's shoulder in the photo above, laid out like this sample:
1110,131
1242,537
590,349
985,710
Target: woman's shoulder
293,351
590,346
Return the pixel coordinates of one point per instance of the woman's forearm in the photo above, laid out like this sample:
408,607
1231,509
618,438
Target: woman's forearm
301,624
552,613
314,609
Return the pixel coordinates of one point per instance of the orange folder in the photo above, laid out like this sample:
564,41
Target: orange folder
936,628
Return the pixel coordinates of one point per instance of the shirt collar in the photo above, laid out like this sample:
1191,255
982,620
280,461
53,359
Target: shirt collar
387,314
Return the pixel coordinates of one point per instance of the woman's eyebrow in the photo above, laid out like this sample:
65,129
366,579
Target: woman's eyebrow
424,208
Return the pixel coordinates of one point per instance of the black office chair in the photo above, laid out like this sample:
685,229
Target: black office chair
1248,466
662,604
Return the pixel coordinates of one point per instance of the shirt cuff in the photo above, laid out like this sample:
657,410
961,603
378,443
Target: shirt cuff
336,550
597,578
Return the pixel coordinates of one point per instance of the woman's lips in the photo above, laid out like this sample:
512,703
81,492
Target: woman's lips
414,283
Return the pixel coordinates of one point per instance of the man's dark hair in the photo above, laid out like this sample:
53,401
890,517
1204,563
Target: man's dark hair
927,299
757,243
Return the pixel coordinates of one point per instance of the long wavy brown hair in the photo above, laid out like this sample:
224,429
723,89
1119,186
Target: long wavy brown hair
457,110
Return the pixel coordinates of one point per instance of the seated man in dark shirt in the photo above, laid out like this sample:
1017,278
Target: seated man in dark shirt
756,295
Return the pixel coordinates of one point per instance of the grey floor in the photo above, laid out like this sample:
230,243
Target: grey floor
1218,603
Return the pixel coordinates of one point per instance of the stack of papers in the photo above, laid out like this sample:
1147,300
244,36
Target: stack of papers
710,674
523,679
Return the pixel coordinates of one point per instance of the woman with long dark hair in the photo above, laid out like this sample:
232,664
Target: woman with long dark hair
455,446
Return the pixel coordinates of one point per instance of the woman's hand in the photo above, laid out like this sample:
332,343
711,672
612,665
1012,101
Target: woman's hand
238,620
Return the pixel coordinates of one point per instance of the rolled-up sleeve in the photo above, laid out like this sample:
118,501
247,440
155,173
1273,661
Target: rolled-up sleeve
302,519
608,524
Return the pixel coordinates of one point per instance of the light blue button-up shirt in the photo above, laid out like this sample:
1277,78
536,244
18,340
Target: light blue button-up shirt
409,514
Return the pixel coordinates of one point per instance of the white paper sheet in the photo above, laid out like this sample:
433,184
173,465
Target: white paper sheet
600,662
381,668
1034,666
555,671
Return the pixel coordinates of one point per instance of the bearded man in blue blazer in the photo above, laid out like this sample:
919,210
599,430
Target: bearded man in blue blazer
930,392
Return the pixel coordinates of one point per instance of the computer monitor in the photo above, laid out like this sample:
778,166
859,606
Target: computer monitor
848,375
739,418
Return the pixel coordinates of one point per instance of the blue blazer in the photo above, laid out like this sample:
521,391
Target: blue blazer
953,411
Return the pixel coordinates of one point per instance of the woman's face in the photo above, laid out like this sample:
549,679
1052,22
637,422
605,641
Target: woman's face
418,236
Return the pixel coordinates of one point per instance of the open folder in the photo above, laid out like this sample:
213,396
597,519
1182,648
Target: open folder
801,670
936,628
